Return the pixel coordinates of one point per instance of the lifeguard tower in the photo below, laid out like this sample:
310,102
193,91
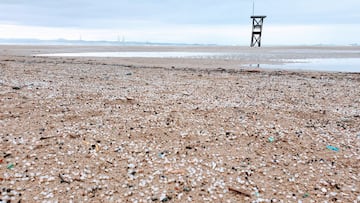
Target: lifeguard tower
257,26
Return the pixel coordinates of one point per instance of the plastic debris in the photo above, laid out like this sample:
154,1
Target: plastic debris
1,161
10,166
333,148
306,195
271,139
161,155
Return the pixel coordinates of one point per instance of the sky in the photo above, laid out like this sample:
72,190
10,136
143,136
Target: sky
227,22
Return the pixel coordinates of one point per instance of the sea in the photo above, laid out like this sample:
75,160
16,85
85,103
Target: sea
304,61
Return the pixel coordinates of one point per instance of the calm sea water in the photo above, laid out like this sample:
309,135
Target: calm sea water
323,64
313,64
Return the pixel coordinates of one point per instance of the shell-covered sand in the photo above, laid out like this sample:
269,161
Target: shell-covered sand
103,130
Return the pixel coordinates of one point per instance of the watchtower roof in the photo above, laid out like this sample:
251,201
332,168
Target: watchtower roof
258,17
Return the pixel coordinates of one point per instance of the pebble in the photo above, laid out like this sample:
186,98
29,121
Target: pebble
174,136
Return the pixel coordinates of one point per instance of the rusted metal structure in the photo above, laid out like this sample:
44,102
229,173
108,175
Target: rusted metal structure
257,26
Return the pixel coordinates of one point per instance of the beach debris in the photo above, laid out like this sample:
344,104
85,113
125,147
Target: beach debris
239,191
62,180
94,147
129,98
118,149
336,149
165,198
45,138
1,161
305,195
7,155
250,71
40,146
16,88
10,166
161,155
177,171
187,189
271,139
74,136
128,73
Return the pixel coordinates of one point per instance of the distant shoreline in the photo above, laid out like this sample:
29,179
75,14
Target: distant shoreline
65,42
208,57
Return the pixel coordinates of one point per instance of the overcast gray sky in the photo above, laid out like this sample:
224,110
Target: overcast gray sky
187,21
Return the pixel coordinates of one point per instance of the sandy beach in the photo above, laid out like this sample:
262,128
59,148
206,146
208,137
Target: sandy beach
177,129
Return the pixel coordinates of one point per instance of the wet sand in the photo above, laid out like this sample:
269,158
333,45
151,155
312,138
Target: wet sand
176,130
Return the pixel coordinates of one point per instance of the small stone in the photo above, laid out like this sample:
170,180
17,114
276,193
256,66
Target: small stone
333,193
186,189
166,199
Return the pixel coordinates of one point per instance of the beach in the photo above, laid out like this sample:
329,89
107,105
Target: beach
104,129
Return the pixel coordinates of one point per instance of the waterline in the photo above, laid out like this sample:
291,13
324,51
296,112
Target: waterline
275,62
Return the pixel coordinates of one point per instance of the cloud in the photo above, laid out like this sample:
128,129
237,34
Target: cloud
108,13
111,13
191,21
